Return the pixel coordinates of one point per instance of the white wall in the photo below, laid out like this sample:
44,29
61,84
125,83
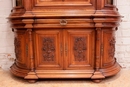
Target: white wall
122,35
6,36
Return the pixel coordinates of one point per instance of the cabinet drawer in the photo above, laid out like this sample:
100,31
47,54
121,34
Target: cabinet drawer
57,23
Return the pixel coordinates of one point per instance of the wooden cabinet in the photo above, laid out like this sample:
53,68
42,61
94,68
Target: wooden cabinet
65,39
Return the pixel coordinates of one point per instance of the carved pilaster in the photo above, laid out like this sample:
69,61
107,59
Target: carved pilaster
31,49
31,75
97,74
98,48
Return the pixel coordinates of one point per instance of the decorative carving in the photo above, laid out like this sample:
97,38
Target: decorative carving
111,51
80,48
48,49
17,44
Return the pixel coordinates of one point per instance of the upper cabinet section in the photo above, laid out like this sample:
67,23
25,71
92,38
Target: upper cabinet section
59,4
64,8
70,4
62,3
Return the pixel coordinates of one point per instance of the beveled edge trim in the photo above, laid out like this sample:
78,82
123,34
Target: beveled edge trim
111,71
64,73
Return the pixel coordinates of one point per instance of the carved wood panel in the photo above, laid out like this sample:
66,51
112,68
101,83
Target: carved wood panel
111,51
48,49
108,48
18,51
80,49
20,48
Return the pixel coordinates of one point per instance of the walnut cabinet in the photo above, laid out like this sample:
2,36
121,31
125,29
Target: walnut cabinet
64,39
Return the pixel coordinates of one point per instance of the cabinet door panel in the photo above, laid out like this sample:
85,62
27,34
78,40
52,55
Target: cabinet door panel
48,49
108,48
79,49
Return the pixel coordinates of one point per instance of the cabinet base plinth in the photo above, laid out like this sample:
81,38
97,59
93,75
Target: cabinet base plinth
31,75
97,80
96,76
32,80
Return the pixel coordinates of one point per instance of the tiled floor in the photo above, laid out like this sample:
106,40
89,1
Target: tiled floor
122,79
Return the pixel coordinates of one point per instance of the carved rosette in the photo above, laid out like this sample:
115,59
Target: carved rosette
111,51
17,44
48,49
80,48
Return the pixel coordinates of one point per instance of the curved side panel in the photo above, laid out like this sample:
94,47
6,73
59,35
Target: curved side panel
21,49
18,71
113,70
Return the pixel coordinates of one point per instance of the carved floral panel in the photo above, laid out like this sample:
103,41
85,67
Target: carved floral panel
111,51
80,48
17,44
48,49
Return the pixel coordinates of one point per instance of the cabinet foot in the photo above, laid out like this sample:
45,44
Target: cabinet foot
32,80
97,80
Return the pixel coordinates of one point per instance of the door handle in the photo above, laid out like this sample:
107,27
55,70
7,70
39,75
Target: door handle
63,22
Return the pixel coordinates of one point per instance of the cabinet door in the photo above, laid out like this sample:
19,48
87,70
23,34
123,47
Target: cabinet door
79,49
48,49
108,48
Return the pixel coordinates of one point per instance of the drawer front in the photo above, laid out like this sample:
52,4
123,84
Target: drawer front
61,23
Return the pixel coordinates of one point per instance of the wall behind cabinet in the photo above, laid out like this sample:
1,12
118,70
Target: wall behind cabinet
122,35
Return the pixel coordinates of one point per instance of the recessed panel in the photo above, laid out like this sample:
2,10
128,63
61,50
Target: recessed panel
63,2
80,49
48,49
108,47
